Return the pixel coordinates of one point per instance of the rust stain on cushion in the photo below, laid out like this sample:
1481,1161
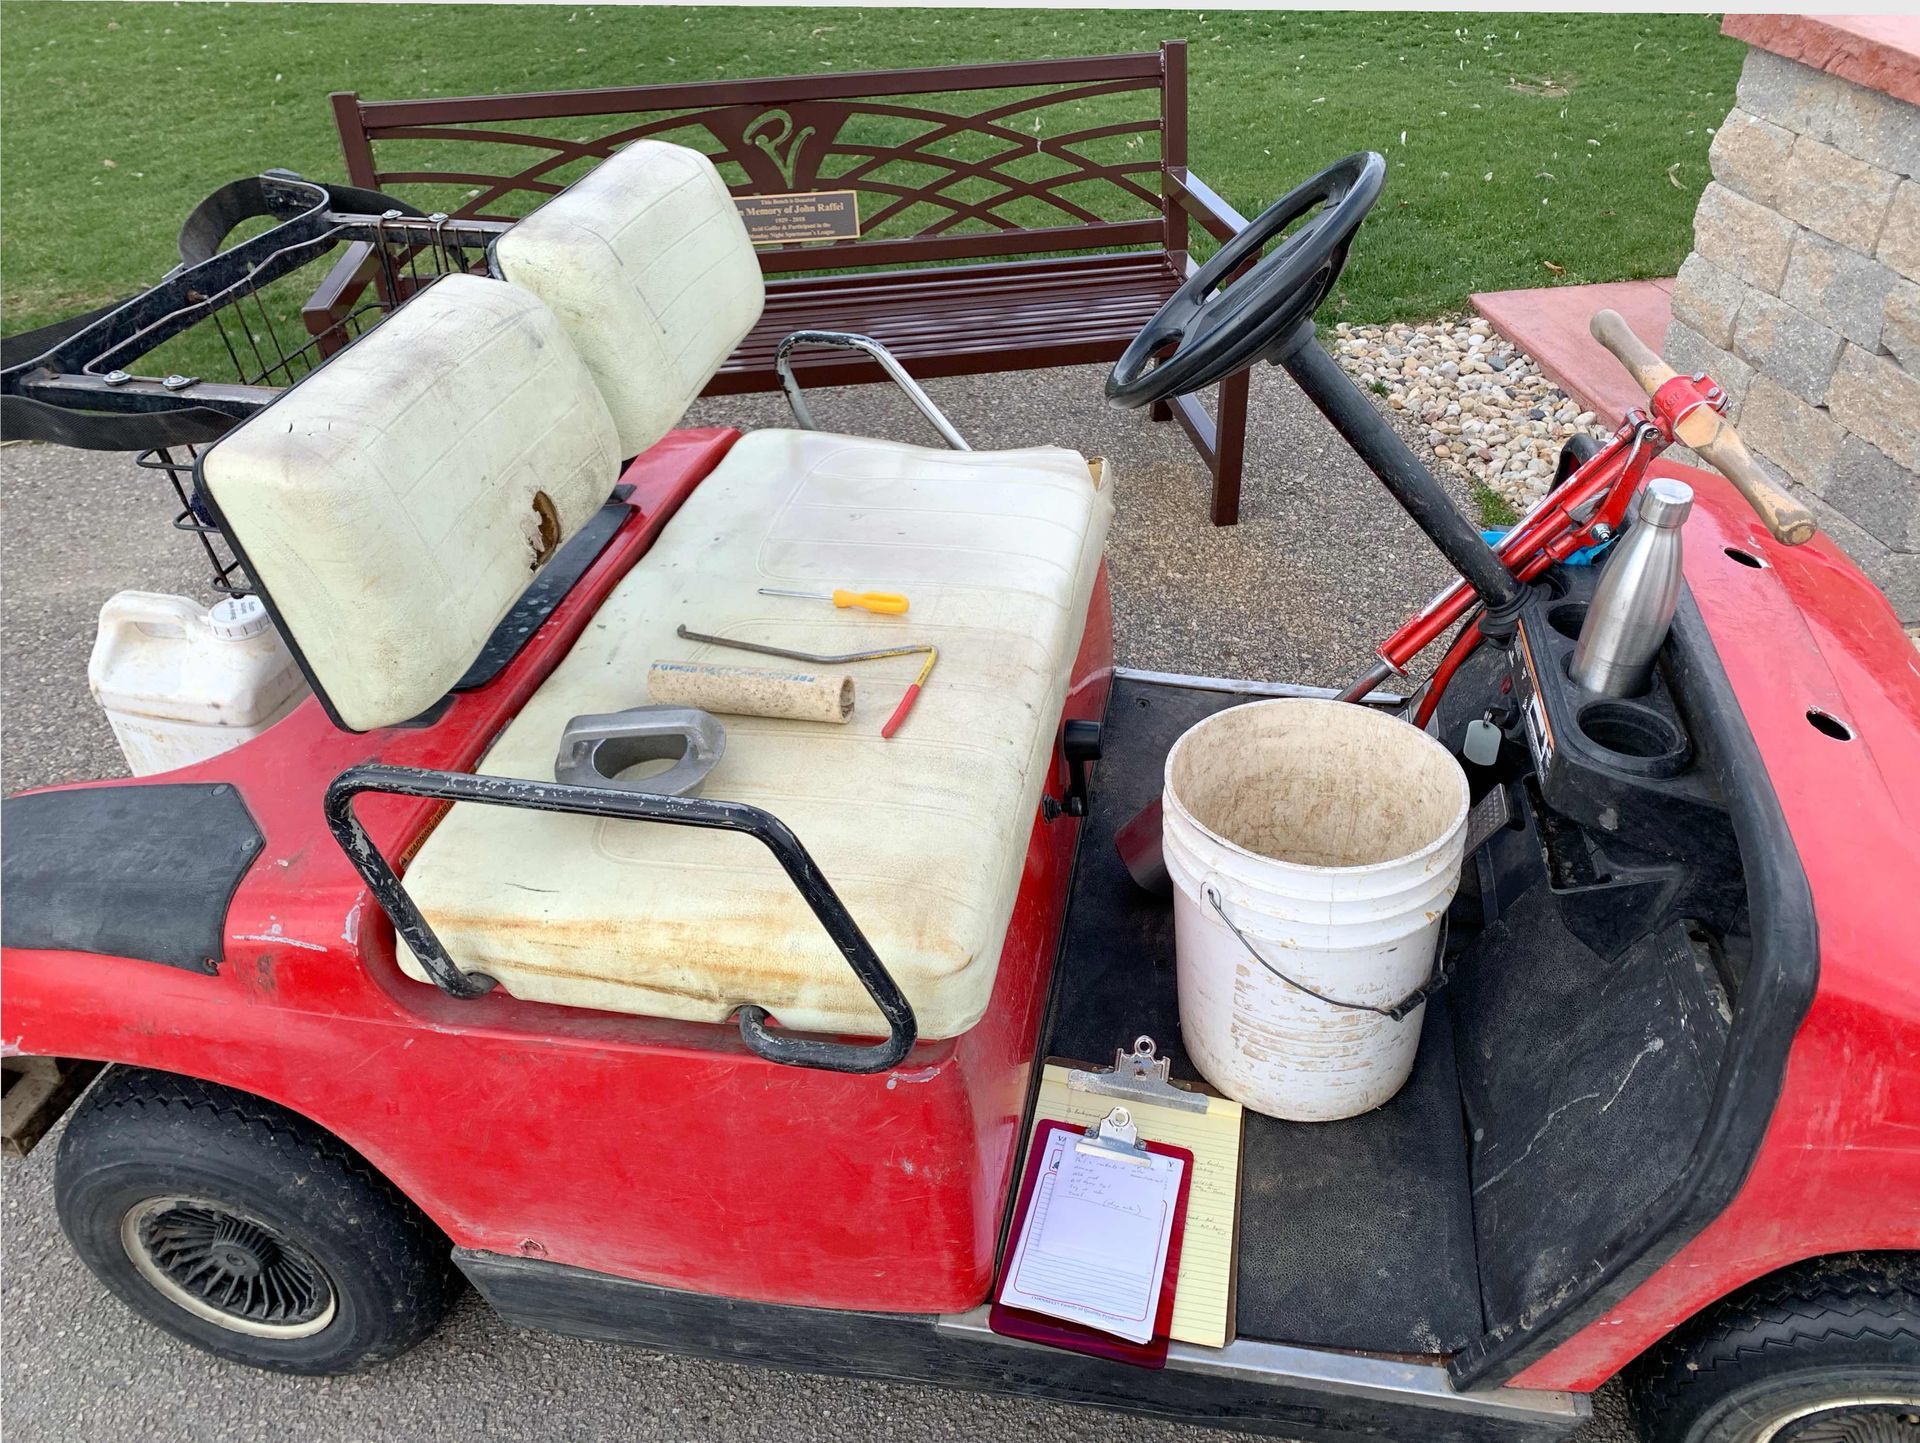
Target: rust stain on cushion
544,535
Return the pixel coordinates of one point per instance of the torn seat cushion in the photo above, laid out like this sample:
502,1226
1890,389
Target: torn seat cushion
924,836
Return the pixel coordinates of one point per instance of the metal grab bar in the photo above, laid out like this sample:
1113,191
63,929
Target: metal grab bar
762,826
874,351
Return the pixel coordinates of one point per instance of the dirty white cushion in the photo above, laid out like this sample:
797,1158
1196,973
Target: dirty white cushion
396,502
647,263
924,836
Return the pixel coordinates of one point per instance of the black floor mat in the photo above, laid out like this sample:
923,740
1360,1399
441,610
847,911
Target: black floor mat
1355,1234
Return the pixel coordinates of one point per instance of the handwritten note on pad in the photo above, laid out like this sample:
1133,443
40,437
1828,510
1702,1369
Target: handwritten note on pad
1094,1248
1204,1289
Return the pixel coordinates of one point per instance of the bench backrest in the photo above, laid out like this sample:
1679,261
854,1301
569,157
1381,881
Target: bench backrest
946,163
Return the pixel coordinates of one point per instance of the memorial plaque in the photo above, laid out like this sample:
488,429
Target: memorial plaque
814,215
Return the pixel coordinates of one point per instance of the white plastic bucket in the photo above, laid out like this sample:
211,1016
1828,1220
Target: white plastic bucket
181,682
1331,836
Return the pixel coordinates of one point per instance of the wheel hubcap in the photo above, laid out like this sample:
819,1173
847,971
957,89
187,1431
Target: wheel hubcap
228,1267
1858,1422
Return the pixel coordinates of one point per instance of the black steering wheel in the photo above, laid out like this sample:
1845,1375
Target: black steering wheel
1217,333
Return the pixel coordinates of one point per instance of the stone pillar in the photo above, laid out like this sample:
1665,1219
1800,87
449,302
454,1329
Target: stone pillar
1802,294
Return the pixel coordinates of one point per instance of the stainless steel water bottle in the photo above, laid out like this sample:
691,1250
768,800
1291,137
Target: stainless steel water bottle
1632,608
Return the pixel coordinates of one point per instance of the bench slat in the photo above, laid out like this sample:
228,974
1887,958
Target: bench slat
1043,270
915,249
997,319
377,116
958,323
910,302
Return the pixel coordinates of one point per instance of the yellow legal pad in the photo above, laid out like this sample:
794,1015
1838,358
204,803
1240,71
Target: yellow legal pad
1203,1296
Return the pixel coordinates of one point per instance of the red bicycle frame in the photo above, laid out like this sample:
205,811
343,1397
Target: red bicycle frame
1584,510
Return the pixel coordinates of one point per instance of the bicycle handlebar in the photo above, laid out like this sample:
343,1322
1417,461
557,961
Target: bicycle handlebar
1709,433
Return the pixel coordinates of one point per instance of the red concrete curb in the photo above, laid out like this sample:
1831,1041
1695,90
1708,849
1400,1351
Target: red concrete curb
1550,324
1881,52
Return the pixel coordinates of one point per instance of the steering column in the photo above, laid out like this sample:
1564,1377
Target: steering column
1419,493
1210,329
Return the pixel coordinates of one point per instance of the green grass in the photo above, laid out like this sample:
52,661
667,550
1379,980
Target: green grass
1495,510
1593,129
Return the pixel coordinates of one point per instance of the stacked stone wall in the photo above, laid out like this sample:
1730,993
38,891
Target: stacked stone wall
1802,298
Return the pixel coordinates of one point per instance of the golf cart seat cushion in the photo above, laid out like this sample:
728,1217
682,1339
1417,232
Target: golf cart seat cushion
395,503
647,264
924,837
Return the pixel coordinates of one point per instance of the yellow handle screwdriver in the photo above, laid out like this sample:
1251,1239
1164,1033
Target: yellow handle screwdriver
887,603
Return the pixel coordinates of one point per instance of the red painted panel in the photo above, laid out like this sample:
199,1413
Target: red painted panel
1839,1169
665,1151
649,1148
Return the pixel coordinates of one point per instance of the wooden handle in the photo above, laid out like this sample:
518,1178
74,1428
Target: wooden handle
1720,446
1643,363
1709,433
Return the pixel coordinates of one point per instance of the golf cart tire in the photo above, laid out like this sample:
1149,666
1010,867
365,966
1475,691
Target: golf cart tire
337,1271
1802,1342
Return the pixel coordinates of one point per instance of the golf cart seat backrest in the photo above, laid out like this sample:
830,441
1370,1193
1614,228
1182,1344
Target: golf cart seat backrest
393,505
647,264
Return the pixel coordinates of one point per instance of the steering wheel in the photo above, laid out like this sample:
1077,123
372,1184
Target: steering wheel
1216,333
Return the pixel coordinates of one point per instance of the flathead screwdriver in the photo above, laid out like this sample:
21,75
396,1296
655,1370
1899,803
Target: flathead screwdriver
888,603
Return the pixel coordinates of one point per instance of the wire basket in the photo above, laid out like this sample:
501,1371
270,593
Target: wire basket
167,372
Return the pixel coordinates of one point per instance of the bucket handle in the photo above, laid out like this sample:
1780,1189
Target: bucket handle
1436,979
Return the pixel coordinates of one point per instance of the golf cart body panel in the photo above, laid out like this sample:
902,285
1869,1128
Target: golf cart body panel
1804,633
334,1030
669,1179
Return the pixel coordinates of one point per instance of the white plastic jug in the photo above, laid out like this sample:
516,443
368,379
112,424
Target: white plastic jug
1322,842
181,682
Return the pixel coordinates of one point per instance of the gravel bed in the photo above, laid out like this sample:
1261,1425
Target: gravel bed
1482,406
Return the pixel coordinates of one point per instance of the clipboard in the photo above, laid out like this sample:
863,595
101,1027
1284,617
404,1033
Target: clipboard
1012,1322
1192,1117
1141,1075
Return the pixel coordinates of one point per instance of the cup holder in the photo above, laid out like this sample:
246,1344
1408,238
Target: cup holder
1635,738
1567,617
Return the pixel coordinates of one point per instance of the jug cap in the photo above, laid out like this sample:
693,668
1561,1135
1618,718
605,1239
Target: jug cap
238,618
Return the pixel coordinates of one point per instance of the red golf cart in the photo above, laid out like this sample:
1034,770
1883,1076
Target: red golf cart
748,1073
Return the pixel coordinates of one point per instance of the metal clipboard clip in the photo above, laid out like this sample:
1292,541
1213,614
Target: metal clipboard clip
1138,1076
1115,1136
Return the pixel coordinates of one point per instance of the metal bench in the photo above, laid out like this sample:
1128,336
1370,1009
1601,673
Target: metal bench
952,214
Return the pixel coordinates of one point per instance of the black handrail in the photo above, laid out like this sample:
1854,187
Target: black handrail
762,826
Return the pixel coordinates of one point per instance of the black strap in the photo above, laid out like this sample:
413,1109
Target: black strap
215,218
281,195
1439,977
24,419
24,346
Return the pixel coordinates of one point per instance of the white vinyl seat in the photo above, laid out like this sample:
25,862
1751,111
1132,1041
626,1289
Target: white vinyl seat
647,264
395,503
923,836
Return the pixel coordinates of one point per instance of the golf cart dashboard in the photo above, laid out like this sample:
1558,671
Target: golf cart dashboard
1625,768
1620,798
